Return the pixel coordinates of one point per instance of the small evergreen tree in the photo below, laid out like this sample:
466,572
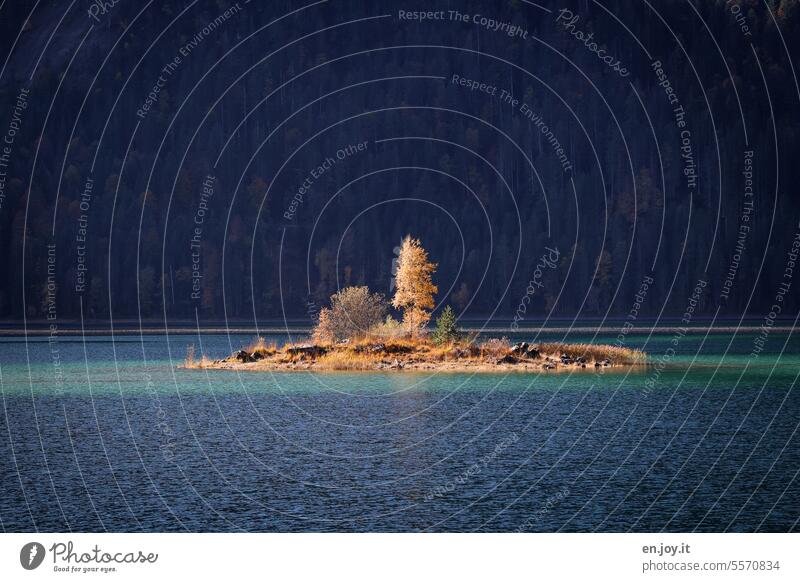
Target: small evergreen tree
446,330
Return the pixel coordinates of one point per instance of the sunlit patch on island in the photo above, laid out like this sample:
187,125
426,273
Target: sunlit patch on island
355,333
460,355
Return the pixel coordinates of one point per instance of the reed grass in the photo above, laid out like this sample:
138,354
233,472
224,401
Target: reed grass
260,346
192,362
594,352
346,360
370,352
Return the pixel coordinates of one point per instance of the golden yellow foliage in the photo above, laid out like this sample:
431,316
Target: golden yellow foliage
415,288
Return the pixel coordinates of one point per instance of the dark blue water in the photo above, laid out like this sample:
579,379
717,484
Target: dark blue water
103,435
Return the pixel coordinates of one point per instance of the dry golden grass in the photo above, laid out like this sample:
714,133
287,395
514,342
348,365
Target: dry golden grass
594,352
260,346
494,347
287,357
387,330
366,342
192,362
347,360
367,353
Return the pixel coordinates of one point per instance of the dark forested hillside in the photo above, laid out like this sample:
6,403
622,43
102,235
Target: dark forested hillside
246,160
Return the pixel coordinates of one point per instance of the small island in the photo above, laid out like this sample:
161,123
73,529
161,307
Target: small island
355,333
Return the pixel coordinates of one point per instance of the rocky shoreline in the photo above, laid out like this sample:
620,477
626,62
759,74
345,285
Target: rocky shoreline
423,356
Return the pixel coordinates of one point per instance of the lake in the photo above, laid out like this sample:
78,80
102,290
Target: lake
109,434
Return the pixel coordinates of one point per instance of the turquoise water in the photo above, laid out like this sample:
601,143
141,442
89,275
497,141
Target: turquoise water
111,435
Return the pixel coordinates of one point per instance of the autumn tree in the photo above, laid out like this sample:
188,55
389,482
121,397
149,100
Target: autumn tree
415,288
353,312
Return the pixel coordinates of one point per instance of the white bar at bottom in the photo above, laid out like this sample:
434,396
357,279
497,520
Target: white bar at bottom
406,557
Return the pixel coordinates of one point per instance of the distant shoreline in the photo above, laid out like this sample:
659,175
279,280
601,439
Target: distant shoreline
182,330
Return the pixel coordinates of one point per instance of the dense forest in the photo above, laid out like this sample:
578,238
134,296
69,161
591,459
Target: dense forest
246,160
